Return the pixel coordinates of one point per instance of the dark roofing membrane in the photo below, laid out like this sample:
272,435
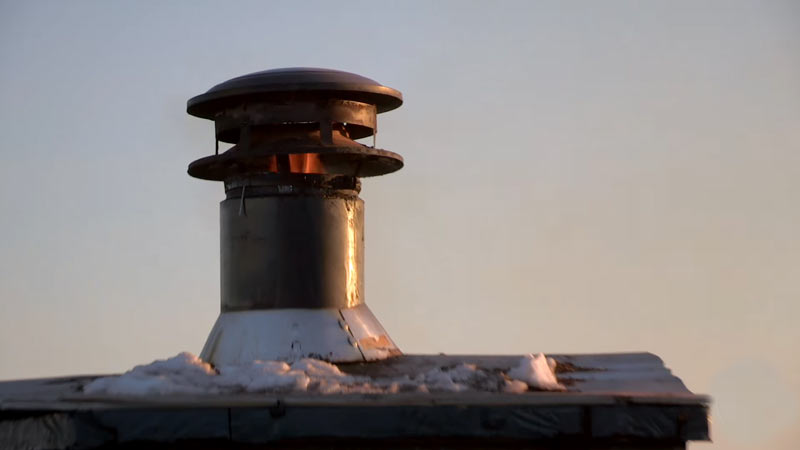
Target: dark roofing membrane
613,401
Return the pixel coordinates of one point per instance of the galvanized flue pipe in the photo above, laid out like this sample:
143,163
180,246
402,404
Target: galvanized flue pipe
292,224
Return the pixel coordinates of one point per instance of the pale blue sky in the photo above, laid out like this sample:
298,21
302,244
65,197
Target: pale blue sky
580,177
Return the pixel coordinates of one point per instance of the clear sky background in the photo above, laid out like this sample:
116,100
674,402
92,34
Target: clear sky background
580,177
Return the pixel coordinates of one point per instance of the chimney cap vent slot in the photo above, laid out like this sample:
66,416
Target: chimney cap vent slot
297,120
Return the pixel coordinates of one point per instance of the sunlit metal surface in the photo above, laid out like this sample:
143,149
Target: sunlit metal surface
355,252
280,334
291,251
371,338
346,335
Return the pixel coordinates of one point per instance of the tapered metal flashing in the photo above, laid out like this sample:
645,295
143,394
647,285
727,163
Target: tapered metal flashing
292,224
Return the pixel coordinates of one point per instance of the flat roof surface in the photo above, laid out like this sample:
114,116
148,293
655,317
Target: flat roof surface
614,397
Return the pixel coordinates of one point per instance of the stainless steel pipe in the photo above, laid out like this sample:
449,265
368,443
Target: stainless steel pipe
290,251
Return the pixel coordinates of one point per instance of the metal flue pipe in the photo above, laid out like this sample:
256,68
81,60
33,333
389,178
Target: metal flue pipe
292,224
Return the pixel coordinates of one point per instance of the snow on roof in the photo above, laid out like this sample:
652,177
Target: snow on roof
607,397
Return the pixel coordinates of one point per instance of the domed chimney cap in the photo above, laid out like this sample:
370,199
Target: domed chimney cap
288,83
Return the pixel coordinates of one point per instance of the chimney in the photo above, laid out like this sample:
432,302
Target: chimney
292,224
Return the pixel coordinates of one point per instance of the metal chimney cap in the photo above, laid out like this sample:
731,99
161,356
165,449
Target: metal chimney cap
288,83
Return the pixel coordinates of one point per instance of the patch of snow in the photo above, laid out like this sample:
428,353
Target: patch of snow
537,371
515,386
319,369
188,374
262,376
442,380
181,374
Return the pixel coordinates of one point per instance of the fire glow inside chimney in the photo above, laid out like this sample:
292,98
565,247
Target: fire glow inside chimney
292,224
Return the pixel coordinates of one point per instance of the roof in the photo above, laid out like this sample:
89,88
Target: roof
610,397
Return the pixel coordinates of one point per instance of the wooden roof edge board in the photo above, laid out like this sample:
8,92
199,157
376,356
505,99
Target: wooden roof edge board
81,402
606,427
643,388
601,375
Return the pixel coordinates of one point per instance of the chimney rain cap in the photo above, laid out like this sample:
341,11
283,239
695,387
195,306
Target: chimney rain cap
288,83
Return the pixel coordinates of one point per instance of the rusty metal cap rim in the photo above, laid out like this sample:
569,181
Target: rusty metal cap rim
374,161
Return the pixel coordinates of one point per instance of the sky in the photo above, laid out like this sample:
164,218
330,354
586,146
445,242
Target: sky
580,177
